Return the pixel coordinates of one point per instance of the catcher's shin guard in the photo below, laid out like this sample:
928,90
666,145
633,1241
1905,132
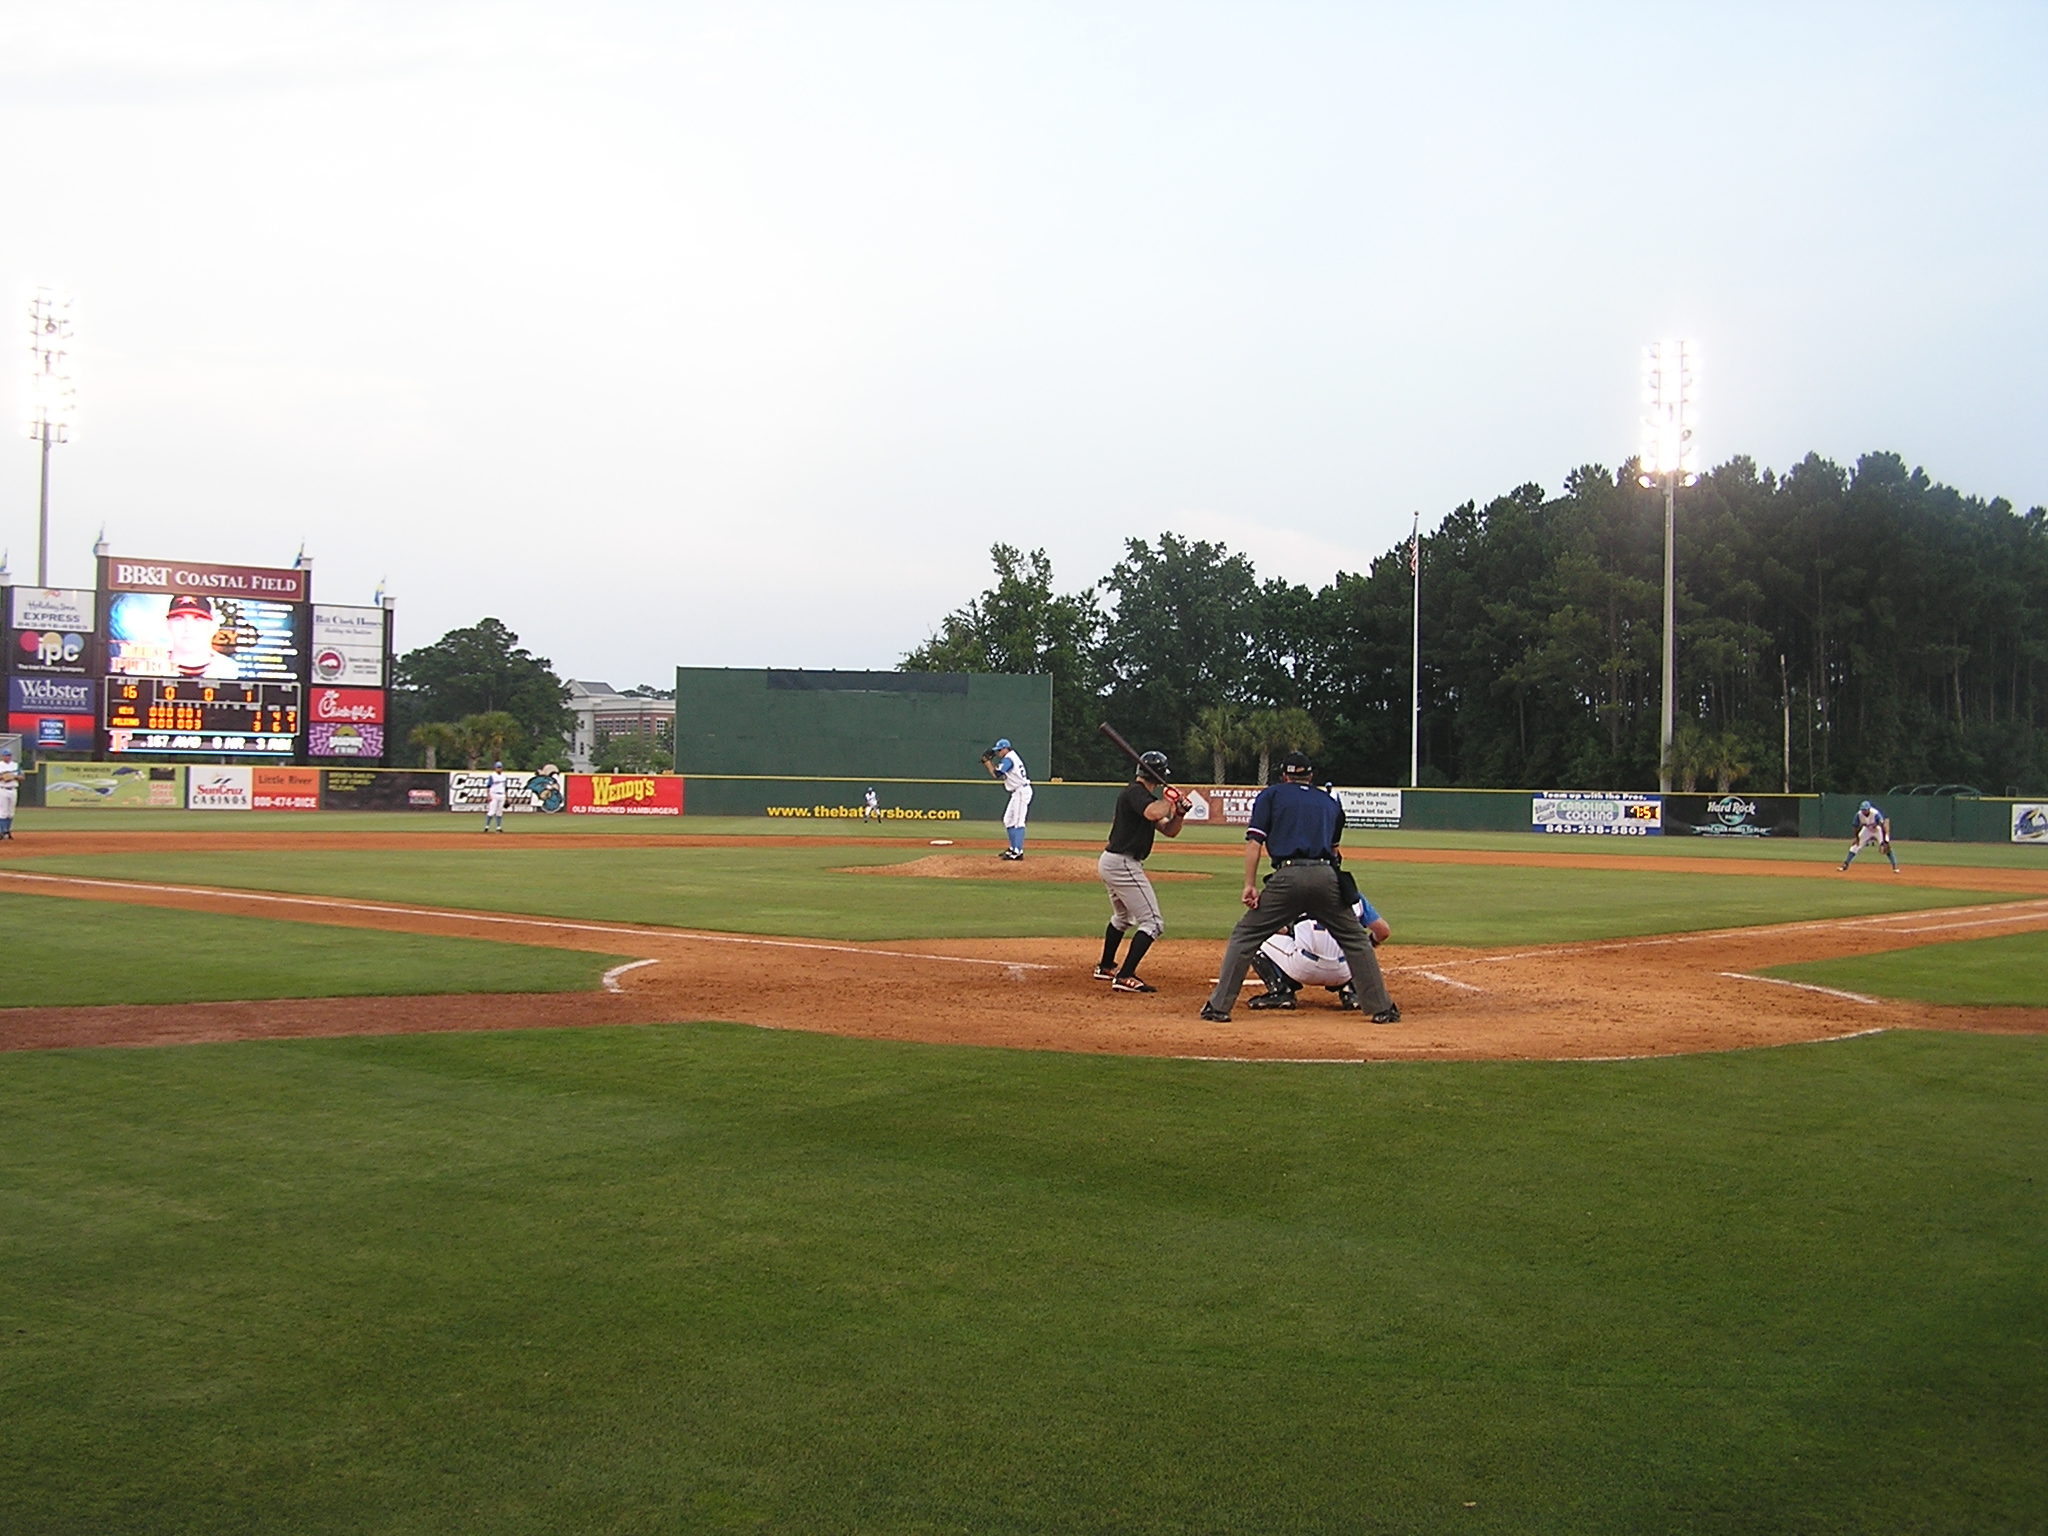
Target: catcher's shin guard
1277,981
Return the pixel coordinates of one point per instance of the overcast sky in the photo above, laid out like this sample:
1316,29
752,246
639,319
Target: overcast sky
734,335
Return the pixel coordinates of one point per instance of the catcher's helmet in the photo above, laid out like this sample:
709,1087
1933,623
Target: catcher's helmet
1153,766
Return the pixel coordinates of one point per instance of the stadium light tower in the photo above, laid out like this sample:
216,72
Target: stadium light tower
51,397
1670,397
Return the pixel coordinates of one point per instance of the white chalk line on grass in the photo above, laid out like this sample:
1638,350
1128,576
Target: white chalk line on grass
2020,912
624,930
1803,986
611,977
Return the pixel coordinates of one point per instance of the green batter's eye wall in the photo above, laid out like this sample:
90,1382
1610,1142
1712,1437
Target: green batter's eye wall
888,725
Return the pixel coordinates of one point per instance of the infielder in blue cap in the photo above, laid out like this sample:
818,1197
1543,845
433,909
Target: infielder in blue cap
1871,826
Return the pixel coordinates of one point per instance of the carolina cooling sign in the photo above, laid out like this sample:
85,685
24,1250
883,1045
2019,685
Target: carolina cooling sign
1597,813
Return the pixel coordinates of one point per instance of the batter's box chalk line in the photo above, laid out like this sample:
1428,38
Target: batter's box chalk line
1806,986
611,977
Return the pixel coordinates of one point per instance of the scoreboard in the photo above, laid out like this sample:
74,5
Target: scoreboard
162,714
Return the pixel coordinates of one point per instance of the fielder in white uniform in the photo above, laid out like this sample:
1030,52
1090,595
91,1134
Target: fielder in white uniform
494,798
10,786
1871,826
1004,763
871,806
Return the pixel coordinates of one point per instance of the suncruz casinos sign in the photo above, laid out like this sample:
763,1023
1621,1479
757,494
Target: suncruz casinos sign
276,586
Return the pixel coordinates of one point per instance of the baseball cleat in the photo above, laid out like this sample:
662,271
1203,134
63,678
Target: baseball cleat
1267,1000
1211,1016
1347,996
1131,984
1391,1014
1105,973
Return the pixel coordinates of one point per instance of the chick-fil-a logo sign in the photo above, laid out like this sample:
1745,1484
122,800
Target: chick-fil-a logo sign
351,706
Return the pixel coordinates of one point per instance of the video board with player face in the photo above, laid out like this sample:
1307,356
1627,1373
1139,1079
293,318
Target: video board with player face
184,635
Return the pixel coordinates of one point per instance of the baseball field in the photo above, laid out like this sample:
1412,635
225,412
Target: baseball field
360,1175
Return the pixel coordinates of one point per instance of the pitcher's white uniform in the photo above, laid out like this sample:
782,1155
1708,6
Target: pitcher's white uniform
1018,783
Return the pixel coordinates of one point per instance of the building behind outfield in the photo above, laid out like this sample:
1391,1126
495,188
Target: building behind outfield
880,725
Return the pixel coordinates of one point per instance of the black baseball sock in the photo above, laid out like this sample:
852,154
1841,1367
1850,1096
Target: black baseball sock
1140,942
1111,937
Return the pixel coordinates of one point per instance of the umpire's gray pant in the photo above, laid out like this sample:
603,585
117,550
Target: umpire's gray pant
1301,890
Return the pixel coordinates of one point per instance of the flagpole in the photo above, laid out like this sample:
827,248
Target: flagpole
1415,655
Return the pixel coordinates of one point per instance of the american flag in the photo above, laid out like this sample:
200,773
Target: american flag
1415,548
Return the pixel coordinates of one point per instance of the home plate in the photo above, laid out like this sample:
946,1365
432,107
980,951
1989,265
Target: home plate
942,842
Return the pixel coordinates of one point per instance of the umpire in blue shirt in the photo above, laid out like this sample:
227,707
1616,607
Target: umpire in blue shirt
1299,826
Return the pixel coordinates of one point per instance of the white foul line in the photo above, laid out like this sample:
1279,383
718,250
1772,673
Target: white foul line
1462,986
611,977
1803,986
335,904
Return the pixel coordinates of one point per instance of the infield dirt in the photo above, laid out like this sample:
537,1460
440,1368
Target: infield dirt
1653,996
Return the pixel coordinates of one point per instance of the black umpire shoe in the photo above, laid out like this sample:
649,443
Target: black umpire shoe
1391,1014
1211,1016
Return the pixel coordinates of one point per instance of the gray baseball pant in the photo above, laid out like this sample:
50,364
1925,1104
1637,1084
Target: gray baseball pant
1132,901
1302,890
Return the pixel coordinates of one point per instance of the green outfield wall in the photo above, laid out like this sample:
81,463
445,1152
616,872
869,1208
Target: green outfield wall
935,800
910,798
761,722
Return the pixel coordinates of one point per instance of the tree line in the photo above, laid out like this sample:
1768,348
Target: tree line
1895,624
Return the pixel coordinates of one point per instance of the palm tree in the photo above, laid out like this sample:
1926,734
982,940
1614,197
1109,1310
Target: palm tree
1282,730
1725,760
486,736
1690,754
435,739
1219,734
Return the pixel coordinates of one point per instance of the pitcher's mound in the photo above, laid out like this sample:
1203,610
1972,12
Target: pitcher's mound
988,866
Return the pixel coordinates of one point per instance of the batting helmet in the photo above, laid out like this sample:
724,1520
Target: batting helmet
1153,766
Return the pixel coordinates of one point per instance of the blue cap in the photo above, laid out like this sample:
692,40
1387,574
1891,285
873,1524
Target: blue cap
1866,806
1003,745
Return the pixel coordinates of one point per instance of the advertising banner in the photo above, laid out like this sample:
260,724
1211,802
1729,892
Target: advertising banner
218,789
172,577
1226,803
1370,807
1731,815
49,629
190,636
625,794
53,733
375,789
123,786
47,711
355,706
348,646
283,789
49,696
523,791
2030,823
1597,813
363,742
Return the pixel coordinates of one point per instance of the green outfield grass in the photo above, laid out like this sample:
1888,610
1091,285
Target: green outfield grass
77,953
714,1279
795,890
1796,850
2008,971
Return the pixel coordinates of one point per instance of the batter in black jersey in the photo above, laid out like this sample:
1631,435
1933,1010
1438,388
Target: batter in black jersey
1142,810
